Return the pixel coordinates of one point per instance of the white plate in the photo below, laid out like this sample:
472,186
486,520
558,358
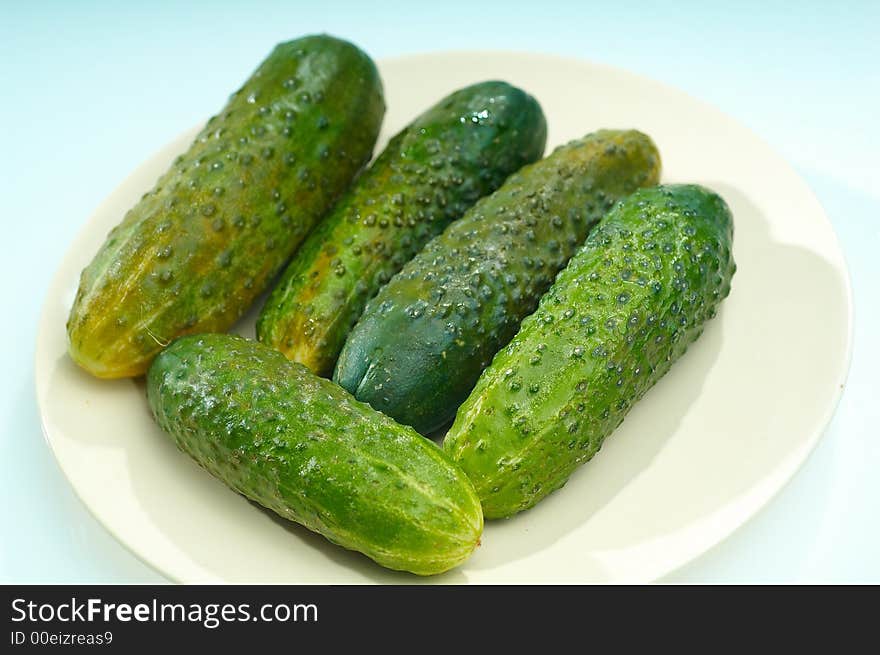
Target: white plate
704,451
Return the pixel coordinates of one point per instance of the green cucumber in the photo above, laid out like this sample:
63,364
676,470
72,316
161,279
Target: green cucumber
423,341
624,309
305,449
436,168
195,252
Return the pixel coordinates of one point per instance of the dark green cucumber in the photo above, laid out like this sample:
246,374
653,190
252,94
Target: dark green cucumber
197,249
623,310
304,448
422,342
457,151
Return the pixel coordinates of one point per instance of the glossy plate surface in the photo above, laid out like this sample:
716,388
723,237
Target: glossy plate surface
700,454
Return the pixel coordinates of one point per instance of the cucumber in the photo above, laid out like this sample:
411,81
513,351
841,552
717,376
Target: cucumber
422,342
305,449
457,151
218,226
624,309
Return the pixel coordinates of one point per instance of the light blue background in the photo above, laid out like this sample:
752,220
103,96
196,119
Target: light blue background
90,89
